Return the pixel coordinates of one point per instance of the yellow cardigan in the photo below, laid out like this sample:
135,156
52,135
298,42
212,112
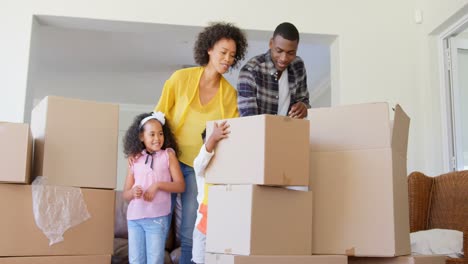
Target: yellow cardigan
180,91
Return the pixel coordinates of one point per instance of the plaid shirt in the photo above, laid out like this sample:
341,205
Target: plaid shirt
257,87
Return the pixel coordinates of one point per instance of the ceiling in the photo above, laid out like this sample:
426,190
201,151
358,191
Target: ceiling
76,46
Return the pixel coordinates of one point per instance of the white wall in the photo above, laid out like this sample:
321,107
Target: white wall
101,86
437,16
383,54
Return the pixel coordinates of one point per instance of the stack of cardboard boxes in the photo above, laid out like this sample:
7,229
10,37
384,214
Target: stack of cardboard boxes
252,218
357,173
75,145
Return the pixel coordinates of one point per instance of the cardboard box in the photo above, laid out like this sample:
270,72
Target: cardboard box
103,259
358,175
399,260
15,152
258,220
264,150
76,142
21,236
233,259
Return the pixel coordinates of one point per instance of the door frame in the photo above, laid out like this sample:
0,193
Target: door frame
455,45
455,25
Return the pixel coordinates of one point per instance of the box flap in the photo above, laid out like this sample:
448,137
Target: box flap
350,127
400,132
38,131
15,152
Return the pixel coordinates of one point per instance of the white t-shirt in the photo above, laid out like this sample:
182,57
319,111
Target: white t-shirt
284,98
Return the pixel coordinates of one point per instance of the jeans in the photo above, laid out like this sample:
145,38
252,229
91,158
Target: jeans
146,240
189,213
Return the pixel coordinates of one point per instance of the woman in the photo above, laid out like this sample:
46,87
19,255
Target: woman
195,95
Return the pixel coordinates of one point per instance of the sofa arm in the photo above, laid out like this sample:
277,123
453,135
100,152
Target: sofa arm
463,260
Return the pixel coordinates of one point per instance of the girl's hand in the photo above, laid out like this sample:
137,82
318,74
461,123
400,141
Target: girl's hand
220,131
150,192
137,191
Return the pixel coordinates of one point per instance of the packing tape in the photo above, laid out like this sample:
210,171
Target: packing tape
350,252
286,180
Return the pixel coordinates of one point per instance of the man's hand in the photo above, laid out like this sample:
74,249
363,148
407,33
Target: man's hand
298,110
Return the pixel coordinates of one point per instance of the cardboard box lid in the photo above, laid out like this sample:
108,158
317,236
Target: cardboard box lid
420,259
265,259
92,259
355,127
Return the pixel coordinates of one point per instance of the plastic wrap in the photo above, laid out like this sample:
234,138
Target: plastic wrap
57,208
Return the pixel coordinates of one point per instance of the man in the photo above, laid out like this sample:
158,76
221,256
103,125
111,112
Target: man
275,82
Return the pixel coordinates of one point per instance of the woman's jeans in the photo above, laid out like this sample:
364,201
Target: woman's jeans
189,212
146,240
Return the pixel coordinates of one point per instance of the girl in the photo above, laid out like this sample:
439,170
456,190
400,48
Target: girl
154,175
195,95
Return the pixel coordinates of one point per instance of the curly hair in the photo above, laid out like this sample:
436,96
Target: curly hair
132,143
212,34
287,31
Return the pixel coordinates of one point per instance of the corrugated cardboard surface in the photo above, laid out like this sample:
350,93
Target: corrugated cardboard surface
399,260
15,152
259,220
76,142
233,259
358,175
103,259
264,149
21,237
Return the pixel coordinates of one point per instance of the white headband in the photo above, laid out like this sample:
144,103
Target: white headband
155,115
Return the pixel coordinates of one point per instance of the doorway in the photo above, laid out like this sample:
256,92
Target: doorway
454,47
127,63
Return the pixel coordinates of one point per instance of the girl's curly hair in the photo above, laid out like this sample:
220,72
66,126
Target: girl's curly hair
212,34
132,143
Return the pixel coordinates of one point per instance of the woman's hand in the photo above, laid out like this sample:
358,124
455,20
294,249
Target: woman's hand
150,192
132,159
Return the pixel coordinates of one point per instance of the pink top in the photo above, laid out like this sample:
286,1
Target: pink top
145,176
